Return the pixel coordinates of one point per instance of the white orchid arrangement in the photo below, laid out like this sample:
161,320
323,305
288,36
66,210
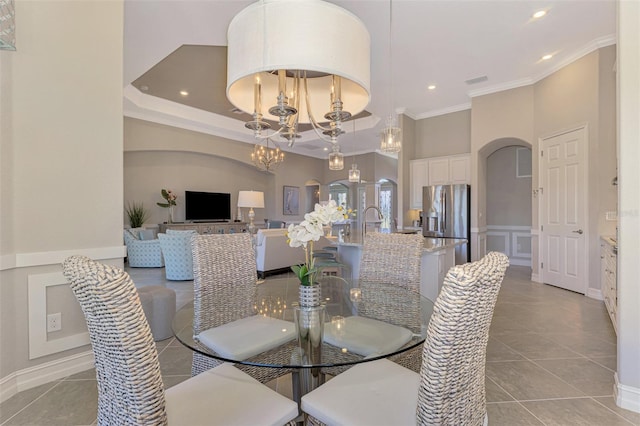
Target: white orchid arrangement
310,230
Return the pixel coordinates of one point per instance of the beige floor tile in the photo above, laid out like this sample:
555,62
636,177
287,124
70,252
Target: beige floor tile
535,346
498,351
610,362
495,393
525,380
589,377
627,414
578,411
175,361
510,414
68,403
22,399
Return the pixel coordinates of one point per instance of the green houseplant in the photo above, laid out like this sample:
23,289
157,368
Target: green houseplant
137,214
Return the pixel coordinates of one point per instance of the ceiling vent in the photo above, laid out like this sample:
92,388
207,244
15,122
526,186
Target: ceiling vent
477,80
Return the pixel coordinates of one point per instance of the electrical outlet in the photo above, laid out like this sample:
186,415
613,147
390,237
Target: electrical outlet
54,322
611,216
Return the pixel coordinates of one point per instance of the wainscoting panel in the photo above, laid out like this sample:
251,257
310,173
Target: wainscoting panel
514,241
39,343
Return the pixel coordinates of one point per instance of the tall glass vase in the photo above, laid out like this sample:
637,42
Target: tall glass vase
309,321
170,220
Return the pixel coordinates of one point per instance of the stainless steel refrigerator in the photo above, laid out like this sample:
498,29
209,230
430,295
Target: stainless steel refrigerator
446,210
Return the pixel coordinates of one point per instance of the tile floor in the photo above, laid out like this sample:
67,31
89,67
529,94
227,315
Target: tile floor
550,361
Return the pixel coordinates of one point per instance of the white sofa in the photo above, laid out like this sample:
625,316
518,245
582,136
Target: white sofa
273,253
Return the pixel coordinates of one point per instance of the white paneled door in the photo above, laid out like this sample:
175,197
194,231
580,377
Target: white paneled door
564,210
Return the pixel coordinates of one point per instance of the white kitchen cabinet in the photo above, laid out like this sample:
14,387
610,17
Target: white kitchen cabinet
419,171
438,171
608,273
450,169
460,169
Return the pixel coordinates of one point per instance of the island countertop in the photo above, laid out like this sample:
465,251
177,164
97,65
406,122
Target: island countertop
430,244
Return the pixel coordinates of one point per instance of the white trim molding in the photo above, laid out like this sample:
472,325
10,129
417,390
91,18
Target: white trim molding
25,260
511,234
626,397
595,293
39,344
44,373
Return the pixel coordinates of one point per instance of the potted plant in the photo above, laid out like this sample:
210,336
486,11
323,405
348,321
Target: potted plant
137,214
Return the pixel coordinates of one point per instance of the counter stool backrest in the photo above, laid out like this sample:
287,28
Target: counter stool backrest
392,259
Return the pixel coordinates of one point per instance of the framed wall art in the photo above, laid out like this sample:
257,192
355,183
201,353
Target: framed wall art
291,200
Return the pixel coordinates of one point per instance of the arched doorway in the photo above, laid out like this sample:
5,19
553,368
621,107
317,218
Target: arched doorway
495,232
508,203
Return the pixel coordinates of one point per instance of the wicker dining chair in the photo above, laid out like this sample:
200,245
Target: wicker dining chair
224,291
130,387
450,389
395,259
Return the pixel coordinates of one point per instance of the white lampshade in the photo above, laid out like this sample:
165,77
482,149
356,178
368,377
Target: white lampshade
252,199
311,35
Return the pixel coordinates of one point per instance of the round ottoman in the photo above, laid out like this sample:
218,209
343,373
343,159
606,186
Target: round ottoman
159,306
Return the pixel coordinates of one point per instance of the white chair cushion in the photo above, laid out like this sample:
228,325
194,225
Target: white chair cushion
374,393
365,336
225,395
246,337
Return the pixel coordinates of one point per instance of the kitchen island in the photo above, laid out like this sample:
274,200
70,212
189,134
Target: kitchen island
437,257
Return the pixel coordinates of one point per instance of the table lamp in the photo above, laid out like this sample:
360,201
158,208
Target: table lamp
251,199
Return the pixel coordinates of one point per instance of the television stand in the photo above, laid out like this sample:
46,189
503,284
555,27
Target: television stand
207,227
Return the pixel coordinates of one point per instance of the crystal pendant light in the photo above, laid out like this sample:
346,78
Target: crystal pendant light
391,136
354,173
336,159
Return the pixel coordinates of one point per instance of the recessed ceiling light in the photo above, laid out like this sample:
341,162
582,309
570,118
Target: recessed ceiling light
325,149
547,57
144,88
539,14
184,93
431,87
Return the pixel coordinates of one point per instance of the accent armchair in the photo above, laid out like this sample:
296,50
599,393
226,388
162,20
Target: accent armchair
142,253
176,251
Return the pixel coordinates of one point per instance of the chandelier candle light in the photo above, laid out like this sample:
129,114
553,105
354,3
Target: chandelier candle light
304,59
266,158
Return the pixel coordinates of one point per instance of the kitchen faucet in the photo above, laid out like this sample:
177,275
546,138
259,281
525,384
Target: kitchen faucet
364,218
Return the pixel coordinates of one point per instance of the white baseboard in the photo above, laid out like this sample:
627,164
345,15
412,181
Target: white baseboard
535,278
520,262
594,293
44,373
626,397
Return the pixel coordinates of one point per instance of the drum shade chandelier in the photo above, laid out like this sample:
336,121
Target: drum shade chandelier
298,61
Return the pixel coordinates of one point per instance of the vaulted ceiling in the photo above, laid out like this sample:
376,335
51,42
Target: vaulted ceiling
464,48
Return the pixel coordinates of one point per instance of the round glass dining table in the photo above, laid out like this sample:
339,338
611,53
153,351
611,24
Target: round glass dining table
362,321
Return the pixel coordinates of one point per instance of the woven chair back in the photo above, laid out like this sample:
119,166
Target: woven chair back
130,388
452,387
392,259
224,285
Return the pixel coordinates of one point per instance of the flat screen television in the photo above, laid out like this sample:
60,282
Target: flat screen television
207,206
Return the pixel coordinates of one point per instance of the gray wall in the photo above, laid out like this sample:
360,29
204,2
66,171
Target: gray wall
508,196
444,135
61,161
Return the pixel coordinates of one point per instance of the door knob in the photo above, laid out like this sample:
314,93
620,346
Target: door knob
579,231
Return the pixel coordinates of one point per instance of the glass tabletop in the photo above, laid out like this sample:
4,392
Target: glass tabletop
362,321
